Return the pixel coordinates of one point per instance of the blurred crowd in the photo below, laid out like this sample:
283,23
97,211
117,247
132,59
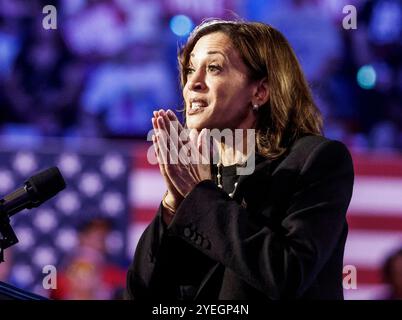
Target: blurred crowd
363,112
110,63
99,74
86,273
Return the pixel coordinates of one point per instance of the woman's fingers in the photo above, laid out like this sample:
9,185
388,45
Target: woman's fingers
179,160
182,168
161,138
160,145
173,188
172,117
173,140
157,152
203,146
175,144
160,160
177,177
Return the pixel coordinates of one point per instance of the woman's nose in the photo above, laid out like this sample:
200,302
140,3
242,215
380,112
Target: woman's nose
197,82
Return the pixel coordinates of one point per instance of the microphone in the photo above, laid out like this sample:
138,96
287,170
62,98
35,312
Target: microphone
36,190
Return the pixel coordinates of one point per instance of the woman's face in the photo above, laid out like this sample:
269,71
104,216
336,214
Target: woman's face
218,93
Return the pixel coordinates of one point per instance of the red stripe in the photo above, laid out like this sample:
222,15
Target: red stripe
365,164
358,221
355,221
140,160
142,215
367,276
377,164
376,222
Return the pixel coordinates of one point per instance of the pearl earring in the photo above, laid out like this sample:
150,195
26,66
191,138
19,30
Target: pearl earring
255,107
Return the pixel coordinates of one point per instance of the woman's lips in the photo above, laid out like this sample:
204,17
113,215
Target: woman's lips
197,107
192,111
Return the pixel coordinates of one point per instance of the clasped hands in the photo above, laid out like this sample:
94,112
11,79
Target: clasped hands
176,156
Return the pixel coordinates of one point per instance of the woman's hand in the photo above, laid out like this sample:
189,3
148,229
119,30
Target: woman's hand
172,197
181,164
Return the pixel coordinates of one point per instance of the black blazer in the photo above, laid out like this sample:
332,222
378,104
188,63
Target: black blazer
282,236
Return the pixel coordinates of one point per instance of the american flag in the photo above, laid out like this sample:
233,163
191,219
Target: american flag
121,184
97,187
375,220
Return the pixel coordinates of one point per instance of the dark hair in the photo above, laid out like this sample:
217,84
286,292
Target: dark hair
290,111
95,222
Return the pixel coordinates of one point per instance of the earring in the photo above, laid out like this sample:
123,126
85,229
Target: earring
255,107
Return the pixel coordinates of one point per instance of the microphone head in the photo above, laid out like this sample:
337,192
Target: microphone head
46,184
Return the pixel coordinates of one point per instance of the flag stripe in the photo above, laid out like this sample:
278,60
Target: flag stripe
143,215
368,276
369,248
365,292
369,164
361,221
372,195
146,188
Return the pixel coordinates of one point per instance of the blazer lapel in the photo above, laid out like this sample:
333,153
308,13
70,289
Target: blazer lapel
211,278
261,164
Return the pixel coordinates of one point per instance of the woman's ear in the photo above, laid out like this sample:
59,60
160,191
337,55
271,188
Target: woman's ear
261,92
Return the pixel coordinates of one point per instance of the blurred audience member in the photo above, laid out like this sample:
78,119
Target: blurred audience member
392,273
5,266
377,43
307,26
43,88
87,274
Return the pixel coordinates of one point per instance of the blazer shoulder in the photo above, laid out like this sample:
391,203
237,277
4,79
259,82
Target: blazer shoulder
311,149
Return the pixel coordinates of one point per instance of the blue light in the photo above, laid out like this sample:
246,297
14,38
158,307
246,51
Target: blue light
366,77
181,25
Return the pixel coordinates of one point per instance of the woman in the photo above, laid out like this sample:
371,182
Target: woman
278,233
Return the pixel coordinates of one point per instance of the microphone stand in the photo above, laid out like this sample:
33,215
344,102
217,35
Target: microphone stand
8,236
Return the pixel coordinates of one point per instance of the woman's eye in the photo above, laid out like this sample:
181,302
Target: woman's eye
213,67
189,70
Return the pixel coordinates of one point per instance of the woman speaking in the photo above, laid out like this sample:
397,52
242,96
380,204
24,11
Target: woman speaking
277,233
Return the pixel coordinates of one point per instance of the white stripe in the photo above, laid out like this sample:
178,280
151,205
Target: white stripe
146,188
366,292
370,248
372,195
135,231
